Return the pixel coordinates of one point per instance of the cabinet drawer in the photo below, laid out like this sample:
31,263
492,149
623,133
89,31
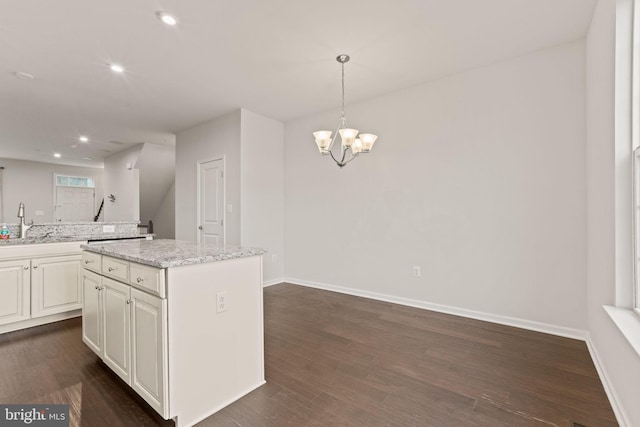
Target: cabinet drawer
115,268
92,261
147,278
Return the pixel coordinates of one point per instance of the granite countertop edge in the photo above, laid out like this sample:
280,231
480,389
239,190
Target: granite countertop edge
166,259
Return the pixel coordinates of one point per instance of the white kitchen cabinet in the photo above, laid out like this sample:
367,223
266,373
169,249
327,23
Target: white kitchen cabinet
56,285
15,280
127,327
116,327
149,349
92,311
92,262
39,283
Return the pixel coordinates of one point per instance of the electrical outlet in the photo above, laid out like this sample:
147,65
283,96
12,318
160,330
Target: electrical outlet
108,228
221,301
416,271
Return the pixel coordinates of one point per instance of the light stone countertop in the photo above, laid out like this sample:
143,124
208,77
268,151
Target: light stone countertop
164,253
61,239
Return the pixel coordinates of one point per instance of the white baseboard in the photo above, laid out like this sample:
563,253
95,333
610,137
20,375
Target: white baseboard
272,282
620,414
478,315
180,423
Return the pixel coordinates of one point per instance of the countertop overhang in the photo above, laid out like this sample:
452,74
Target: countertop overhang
165,253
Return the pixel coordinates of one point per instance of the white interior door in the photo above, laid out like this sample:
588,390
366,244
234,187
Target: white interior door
211,202
74,203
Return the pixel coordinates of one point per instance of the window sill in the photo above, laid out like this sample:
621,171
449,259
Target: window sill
628,322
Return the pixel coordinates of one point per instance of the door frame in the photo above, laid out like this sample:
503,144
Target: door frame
55,192
199,164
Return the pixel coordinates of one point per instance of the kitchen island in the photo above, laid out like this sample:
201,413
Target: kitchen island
181,323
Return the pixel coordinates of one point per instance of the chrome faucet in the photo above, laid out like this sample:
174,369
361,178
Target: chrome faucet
23,227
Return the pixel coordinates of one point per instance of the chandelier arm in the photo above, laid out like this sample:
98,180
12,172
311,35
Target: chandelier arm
333,139
344,154
353,157
334,159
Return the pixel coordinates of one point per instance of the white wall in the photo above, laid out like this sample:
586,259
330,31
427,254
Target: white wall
157,166
33,184
262,190
478,178
215,138
618,360
122,180
165,218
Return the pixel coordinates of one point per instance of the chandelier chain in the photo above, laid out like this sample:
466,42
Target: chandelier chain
342,91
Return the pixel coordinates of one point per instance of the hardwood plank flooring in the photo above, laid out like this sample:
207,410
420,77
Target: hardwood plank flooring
338,360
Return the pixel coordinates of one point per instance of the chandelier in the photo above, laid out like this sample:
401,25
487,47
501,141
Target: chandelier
351,142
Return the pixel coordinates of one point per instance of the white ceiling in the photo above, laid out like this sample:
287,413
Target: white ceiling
273,57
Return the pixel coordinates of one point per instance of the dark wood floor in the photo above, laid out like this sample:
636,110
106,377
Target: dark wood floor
337,360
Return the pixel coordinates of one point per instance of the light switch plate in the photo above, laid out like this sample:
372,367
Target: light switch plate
39,213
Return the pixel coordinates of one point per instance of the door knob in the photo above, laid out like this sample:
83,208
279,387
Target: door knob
200,228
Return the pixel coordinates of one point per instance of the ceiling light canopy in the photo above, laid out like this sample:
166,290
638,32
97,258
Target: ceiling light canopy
23,76
350,140
117,68
167,18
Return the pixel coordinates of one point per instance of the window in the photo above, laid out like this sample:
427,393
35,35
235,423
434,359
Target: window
74,181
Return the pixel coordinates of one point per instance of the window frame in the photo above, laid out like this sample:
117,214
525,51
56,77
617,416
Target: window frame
88,178
636,227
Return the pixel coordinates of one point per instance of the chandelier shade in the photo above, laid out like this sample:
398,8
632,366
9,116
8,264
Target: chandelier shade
350,142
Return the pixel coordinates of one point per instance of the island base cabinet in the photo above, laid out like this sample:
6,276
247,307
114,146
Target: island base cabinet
92,311
15,279
116,327
161,332
148,349
127,329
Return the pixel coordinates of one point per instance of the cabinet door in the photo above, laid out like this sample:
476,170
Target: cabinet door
92,311
56,285
15,280
116,327
149,350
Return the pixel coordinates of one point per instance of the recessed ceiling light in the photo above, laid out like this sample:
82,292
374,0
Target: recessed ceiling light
23,76
167,18
57,155
117,68
83,138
